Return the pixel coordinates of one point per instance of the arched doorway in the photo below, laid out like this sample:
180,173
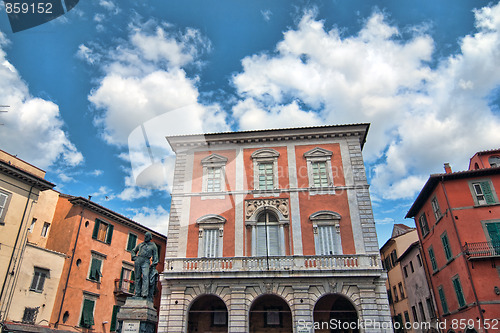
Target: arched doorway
335,313
208,313
270,313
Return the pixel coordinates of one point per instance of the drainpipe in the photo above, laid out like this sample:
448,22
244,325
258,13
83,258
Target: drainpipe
69,270
463,256
15,245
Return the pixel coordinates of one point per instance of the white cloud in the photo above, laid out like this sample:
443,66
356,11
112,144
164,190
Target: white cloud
420,116
155,218
33,128
266,14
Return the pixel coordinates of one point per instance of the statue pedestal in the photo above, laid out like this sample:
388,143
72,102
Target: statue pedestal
138,315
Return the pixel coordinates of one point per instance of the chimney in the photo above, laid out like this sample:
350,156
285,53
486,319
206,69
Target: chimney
447,168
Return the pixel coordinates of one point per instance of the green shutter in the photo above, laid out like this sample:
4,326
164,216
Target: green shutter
488,194
96,229
446,247
132,240
95,269
459,292
433,259
443,300
114,322
87,313
109,234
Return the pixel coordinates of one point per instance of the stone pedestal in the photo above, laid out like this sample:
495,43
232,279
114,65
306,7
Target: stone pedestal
138,315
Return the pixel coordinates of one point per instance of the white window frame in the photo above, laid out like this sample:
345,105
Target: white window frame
214,223
45,229
32,225
320,155
6,200
496,161
326,218
475,195
215,161
261,156
91,297
98,256
436,209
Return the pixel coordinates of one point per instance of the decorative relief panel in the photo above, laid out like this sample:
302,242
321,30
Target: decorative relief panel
252,205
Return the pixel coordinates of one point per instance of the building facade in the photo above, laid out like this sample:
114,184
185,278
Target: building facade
272,231
458,221
20,187
401,239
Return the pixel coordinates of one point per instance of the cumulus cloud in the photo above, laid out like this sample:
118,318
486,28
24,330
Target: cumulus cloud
421,116
155,218
32,128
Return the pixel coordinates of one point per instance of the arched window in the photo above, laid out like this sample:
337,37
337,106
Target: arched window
269,239
210,235
326,228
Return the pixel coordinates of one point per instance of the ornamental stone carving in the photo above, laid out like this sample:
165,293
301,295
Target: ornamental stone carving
280,204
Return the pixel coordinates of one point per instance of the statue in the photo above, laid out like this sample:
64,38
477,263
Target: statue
145,256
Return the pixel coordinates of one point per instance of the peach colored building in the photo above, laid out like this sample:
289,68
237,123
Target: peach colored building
272,231
458,220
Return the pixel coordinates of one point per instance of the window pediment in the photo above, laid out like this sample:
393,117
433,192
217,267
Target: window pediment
265,153
211,219
214,160
318,152
325,215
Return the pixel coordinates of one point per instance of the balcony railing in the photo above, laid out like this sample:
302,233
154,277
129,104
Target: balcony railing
124,287
482,250
273,263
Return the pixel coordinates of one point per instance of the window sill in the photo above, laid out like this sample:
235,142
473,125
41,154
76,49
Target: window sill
487,205
98,282
210,196
36,291
439,219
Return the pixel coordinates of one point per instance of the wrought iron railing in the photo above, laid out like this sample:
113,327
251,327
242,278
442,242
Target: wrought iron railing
273,263
482,249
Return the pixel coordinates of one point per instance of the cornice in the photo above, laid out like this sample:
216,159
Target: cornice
25,177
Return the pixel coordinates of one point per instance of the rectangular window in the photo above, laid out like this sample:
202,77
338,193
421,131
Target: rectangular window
395,291
268,240
131,242
319,174
102,231
442,298
273,317
458,290
214,179
32,226
394,258
219,317
266,176
446,246
424,226
39,276
419,260
405,270
435,208
87,317
411,266
430,307
414,311
114,321
29,316
483,193
432,257
401,290
127,280
45,229
95,269
211,243
326,240
407,317
389,295
4,202
422,312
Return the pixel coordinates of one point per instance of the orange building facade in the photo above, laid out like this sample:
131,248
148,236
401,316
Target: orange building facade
98,273
272,231
458,220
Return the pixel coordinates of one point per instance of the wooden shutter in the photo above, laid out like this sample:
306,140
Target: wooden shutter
443,300
87,313
114,321
433,259
273,240
95,269
211,244
487,192
109,234
261,246
96,229
459,292
326,236
132,241
3,202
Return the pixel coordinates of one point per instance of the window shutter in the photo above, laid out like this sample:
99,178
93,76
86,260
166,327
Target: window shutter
96,229
210,242
95,269
459,292
326,240
433,259
261,241
488,194
87,313
273,240
132,240
112,326
34,282
109,234
443,300
3,202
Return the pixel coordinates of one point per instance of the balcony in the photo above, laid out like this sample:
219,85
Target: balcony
289,266
124,287
482,250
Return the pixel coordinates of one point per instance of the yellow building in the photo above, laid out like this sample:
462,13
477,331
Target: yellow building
402,238
20,186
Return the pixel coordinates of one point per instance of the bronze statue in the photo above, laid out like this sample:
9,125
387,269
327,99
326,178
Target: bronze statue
145,256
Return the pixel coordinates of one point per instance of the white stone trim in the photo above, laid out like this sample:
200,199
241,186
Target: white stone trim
214,161
294,211
265,155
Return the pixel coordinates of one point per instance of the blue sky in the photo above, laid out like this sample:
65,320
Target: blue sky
425,74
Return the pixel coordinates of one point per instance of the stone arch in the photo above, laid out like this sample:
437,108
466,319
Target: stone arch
207,312
270,312
338,309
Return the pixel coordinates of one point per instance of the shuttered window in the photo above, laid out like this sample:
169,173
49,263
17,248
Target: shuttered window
3,205
320,176
483,193
87,318
266,176
214,179
211,243
268,240
446,247
131,242
102,231
38,281
95,269
424,226
442,298
114,320
458,291
432,257
326,240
